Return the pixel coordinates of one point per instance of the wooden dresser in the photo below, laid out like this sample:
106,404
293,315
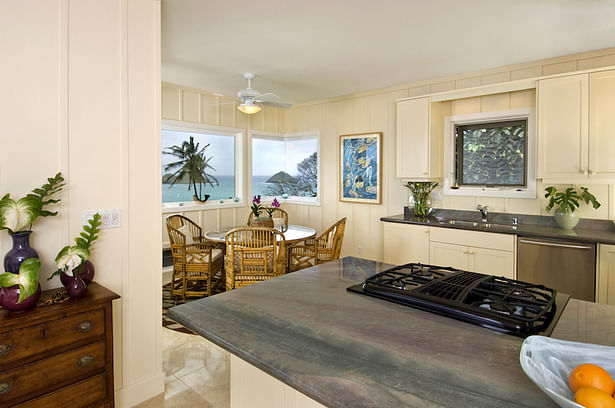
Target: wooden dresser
59,355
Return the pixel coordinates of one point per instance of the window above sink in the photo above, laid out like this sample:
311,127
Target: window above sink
490,154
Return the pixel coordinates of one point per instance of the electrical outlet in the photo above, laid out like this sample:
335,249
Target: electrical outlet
360,251
109,218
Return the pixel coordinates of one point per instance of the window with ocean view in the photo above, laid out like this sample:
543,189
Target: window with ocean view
183,150
285,166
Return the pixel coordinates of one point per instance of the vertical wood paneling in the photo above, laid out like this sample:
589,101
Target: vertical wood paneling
171,97
210,109
271,119
191,106
257,120
227,112
360,115
329,164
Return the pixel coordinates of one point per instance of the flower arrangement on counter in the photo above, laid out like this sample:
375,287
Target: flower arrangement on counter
421,194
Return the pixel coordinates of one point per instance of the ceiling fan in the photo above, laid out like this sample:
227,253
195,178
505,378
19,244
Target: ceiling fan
251,99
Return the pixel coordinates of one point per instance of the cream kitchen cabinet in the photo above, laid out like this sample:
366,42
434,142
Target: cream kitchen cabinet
602,125
563,132
482,252
419,149
404,243
605,275
576,124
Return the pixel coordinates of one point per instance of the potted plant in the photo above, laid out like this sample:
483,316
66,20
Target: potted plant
20,291
567,202
191,167
420,197
17,217
74,267
257,220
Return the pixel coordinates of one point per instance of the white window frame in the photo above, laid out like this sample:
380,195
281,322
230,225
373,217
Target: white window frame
256,134
504,192
239,135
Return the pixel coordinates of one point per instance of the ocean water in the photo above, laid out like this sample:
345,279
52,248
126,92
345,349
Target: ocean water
226,189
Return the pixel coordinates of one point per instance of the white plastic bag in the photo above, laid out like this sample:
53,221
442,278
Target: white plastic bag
548,362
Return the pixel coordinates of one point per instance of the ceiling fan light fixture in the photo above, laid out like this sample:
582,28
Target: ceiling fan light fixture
249,108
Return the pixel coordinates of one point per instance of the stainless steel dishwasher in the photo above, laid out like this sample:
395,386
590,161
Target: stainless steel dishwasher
568,267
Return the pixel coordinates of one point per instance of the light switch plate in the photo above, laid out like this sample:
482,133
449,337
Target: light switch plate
109,218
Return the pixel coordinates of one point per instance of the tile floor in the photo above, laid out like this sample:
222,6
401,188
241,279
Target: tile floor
197,373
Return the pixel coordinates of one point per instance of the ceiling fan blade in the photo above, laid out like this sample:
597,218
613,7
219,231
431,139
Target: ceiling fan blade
284,105
268,96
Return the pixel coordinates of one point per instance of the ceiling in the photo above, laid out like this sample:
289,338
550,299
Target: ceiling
307,50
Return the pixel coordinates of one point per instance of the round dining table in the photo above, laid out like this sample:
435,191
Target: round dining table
293,235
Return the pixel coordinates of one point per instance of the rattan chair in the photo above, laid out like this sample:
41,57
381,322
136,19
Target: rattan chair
325,248
253,255
280,218
197,263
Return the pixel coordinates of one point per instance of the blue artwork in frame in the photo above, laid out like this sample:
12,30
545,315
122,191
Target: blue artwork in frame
361,168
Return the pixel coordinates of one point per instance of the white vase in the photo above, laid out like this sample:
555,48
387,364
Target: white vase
566,220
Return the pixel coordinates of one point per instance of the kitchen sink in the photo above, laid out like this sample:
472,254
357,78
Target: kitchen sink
467,223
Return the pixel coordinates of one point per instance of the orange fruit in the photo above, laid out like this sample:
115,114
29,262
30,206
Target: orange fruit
593,398
591,375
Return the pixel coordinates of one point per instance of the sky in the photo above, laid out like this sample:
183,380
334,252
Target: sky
222,148
269,153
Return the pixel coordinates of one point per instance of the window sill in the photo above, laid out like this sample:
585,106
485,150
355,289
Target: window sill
295,200
491,192
193,206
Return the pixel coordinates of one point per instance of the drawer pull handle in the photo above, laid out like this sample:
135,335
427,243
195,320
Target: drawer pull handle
5,349
5,387
85,326
85,360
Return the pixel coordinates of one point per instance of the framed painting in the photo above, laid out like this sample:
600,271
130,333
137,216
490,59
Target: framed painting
361,168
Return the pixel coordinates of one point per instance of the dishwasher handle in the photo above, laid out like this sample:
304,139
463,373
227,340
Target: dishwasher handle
553,244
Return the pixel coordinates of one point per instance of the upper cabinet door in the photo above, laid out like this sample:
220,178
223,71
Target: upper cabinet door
413,138
602,125
563,127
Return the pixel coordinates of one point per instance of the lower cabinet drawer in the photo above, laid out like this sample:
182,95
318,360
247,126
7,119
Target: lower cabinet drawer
43,338
86,393
43,376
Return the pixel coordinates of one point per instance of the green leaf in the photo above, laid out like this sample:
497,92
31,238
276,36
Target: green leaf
70,257
27,279
17,215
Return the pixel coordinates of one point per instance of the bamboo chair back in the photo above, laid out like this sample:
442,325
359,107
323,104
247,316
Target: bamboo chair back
253,255
195,261
280,218
326,247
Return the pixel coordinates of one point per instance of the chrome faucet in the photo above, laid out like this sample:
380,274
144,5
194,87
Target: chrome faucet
484,212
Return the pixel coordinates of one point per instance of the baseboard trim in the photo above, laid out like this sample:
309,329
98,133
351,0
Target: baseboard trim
140,392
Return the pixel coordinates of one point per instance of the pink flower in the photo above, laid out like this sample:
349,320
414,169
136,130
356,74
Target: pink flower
256,199
275,203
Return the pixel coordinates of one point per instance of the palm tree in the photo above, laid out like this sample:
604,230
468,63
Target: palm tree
192,163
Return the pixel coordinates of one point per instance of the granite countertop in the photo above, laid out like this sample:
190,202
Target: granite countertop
348,350
591,231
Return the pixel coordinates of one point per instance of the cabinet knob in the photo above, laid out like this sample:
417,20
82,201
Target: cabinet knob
5,349
85,360
592,172
425,173
84,326
584,172
5,387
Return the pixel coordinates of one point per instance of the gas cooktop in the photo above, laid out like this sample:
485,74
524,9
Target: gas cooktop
498,303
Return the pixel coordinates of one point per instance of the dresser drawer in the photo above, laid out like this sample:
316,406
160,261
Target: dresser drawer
86,393
31,380
44,338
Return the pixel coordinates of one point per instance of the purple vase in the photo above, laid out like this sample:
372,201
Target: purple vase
76,287
87,272
65,279
9,297
20,252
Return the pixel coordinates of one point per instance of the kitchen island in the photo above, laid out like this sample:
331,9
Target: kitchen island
347,350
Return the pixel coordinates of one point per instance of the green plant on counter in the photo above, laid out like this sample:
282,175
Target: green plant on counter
568,200
18,216
421,192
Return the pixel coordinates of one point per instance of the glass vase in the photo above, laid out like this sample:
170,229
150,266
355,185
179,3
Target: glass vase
422,203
